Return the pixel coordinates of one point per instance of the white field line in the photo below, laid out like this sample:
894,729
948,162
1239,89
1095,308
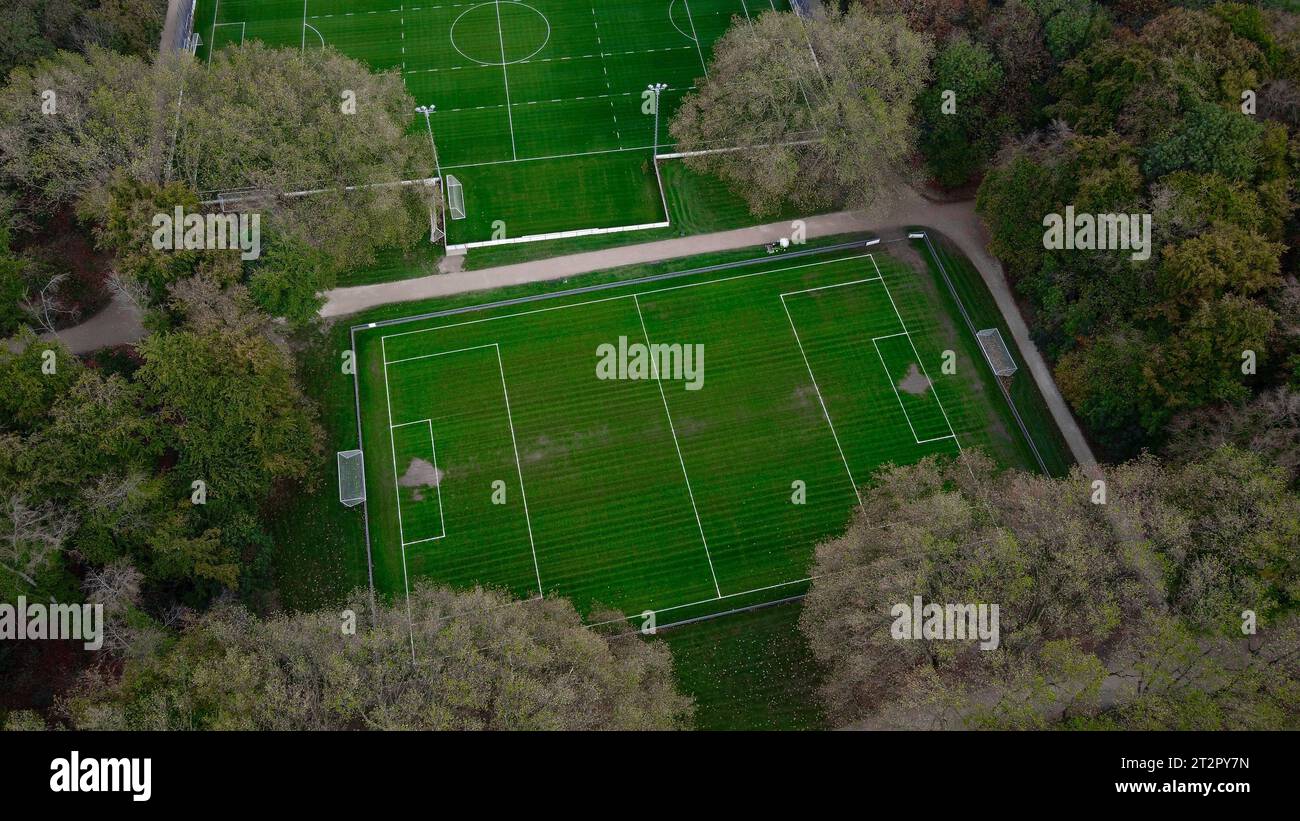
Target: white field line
243,29
919,361
433,447
654,367
304,26
505,394
501,37
212,41
626,296
821,401
696,37
392,445
577,232
519,467
709,601
604,67
907,417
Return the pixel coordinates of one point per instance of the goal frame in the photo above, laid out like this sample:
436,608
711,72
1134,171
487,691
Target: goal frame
349,457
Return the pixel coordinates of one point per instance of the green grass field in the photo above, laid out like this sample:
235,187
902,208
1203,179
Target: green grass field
541,113
495,454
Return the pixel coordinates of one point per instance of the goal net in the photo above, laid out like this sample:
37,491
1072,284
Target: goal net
455,198
995,351
352,478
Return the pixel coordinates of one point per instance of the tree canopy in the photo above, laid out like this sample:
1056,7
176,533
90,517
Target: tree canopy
1125,614
821,108
482,661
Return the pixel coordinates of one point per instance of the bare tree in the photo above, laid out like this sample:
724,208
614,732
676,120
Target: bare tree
31,535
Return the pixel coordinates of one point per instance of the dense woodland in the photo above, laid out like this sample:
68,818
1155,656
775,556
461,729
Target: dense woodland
1125,614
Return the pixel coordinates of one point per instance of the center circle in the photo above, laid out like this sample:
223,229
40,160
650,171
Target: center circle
500,33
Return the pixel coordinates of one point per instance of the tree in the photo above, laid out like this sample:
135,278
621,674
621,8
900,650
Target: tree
1209,139
108,119
1219,261
957,143
1268,424
32,539
13,288
1123,614
1227,527
820,108
33,375
957,532
1068,25
481,661
1106,383
230,407
1201,362
1015,34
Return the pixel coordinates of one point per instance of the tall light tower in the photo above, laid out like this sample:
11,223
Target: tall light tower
426,110
657,88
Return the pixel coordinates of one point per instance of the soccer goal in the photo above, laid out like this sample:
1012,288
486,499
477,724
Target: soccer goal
995,351
352,478
455,198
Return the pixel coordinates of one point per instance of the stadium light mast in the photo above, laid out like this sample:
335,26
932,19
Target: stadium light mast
657,88
426,110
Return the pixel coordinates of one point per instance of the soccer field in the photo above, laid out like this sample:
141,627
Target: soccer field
541,111
525,446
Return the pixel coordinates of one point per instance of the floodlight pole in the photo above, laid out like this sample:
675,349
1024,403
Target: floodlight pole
426,110
657,88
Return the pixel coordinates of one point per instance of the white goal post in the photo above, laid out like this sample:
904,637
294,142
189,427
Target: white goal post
455,198
995,351
352,477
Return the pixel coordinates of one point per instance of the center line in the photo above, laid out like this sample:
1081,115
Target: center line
501,36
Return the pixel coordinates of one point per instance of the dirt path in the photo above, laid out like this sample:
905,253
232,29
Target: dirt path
117,324
955,220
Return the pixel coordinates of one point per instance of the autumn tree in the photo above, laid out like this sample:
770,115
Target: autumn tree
473,660
229,404
1139,597
820,109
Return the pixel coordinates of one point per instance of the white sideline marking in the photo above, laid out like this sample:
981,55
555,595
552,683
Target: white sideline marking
654,367
626,296
708,601
392,445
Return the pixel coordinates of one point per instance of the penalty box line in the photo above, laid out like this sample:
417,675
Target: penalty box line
514,442
903,324
433,446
